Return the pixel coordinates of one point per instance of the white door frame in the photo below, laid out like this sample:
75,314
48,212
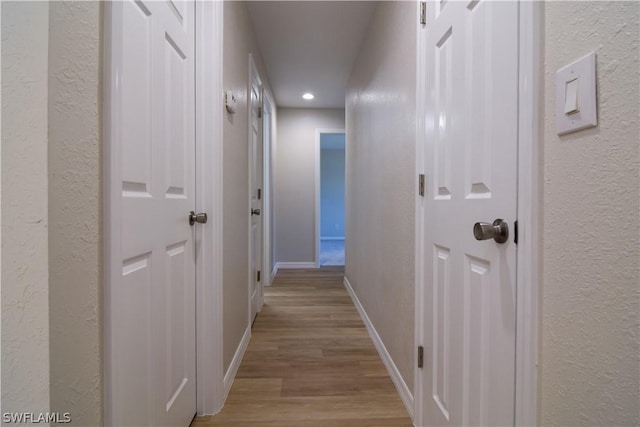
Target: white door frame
319,133
209,138
267,168
209,369
530,167
530,85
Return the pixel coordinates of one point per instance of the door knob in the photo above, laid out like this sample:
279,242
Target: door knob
200,218
255,212
498,231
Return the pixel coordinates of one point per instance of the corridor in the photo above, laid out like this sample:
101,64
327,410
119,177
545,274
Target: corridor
162,166
310,362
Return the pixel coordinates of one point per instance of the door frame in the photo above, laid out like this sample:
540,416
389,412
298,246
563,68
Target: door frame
267,174
319,133
208,134
254,77
529,208
210,392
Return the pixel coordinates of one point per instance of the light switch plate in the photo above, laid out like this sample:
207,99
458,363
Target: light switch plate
586,116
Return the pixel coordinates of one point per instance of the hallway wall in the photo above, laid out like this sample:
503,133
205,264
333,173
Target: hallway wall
295,179
75,209
589,349
52,209
239,41
25,263
380,179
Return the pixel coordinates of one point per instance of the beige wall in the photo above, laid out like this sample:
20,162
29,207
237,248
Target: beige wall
51,322
590,326
239,41
75,210
295,179
380,179
25,254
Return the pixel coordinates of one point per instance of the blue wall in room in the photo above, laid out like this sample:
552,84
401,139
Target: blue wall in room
332,163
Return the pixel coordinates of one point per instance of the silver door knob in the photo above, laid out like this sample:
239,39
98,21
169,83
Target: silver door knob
498,231
255,212
200,218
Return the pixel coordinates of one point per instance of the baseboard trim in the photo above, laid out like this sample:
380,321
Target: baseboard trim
394,373
235,362
283,265
332,238
274,271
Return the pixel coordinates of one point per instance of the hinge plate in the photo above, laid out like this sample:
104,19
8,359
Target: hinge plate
515,232
259,112
258,275
423,12
259,193
421,184
420,356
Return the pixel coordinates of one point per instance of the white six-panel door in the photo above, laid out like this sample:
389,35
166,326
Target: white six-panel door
471,171
151,299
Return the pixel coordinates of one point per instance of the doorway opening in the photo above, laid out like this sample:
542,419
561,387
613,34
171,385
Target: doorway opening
330,209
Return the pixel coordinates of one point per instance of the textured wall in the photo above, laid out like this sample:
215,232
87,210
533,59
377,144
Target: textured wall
239,41
380,178
590,344
25,276
295,179
75,210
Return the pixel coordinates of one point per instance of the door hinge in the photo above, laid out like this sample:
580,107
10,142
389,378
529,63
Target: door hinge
420,356
259,193
258,275
259,112
421,184
423,12
515,232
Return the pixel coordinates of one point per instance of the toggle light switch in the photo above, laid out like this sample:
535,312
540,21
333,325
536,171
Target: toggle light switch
576,102
571,97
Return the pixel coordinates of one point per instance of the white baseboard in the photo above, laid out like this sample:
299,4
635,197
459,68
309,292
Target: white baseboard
283,265
274,272
332,238
235,362
394,373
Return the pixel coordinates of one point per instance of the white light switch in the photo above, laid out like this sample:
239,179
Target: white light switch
571,97
576,107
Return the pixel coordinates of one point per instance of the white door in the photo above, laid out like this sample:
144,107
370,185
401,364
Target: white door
471,169
255,182
151,304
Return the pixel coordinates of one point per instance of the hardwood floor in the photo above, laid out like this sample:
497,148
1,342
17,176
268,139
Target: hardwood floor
310,362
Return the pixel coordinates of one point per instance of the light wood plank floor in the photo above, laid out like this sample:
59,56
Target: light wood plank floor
310,362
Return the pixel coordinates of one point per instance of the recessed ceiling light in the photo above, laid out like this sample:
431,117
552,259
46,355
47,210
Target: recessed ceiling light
308,96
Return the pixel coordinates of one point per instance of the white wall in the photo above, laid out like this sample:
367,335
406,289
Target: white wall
239,41
75,209
295,179
380,178
25,254
590,314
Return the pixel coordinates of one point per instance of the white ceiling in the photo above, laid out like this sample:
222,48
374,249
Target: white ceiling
310,46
